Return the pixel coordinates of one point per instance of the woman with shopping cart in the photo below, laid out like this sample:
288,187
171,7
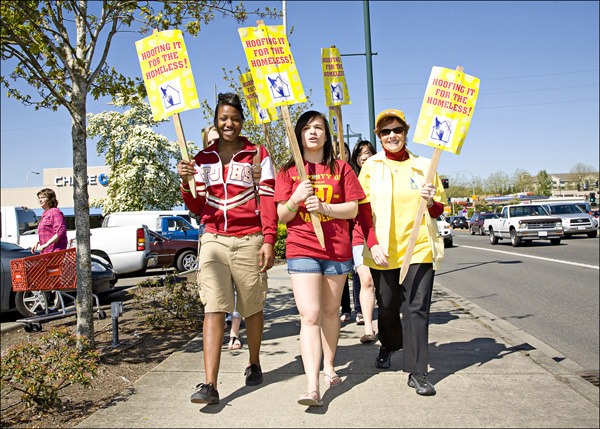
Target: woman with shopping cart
52,228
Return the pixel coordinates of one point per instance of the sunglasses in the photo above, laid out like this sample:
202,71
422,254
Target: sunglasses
386,131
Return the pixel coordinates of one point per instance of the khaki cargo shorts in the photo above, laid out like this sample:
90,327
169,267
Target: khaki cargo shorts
228,262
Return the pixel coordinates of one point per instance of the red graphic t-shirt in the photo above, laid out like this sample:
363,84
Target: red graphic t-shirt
341,187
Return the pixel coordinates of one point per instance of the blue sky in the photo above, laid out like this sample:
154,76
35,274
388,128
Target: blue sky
538,63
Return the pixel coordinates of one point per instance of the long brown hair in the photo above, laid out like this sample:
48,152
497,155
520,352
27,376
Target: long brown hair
328,156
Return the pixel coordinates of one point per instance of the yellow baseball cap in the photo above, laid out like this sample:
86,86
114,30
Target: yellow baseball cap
389,113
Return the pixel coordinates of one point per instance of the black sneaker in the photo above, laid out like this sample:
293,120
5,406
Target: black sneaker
383,360
206,395
253,375
421,384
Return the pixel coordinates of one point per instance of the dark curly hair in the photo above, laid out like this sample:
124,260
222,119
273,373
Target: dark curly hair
228,99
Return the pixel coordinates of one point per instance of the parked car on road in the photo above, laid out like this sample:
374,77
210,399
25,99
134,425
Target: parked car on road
31,303
172,252
476,222
445,231
574,219
459,222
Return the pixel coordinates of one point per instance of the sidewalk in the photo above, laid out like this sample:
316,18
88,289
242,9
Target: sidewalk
487,374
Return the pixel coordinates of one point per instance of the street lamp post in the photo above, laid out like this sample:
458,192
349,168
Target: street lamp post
27,178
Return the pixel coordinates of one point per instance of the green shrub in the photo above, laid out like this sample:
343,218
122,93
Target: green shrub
177,300
280,242
40,370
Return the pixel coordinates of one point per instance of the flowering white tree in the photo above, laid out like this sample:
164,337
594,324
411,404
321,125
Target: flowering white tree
141,161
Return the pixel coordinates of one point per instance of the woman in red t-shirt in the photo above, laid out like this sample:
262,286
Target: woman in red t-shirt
332,190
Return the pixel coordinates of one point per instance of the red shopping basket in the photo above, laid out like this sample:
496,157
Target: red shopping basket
48,271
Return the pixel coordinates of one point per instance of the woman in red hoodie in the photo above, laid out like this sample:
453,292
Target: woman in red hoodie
237,247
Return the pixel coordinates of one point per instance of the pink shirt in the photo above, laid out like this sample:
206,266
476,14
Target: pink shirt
53,222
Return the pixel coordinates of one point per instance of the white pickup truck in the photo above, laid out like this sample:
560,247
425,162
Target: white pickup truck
524,223
126,248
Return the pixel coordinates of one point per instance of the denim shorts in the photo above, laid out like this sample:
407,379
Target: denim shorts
322,266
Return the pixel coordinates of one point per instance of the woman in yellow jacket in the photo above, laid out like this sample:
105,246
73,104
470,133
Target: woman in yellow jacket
394,184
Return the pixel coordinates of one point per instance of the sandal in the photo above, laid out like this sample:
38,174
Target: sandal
360,320
332,380
235,343
345,317
311,399
368,338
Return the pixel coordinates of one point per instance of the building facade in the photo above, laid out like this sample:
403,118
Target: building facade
61,181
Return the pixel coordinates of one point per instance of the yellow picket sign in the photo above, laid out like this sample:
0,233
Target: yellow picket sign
276,78
259,114
447,109
333,123
167,73
277,83
334,80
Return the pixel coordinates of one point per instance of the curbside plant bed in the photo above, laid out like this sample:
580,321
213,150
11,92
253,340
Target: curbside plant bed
141,347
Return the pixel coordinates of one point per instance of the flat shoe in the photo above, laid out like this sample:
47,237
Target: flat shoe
368,338
311,399
332,380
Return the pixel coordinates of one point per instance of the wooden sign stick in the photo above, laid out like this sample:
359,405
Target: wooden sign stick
338,115
314,217
184,152
421,210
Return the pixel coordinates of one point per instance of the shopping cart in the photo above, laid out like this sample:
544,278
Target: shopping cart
55,271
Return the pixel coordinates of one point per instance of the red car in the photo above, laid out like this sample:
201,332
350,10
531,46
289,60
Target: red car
180,254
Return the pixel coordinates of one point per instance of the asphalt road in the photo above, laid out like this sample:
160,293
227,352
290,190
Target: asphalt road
550,292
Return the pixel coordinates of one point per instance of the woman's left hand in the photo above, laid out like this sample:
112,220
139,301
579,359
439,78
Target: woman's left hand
428,192
313,204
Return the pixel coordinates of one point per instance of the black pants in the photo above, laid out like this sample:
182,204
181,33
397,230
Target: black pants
413,299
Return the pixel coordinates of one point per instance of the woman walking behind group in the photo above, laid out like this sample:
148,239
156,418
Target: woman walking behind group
394,182
317,274
362,151
238,243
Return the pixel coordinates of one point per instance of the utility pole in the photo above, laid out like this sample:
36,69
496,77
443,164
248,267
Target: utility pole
368,53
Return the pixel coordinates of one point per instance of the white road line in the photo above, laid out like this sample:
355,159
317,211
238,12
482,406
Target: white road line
594,267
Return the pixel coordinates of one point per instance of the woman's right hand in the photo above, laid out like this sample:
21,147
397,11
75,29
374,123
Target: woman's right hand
303,191
186,170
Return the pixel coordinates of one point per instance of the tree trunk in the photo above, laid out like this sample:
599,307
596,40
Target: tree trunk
84,300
